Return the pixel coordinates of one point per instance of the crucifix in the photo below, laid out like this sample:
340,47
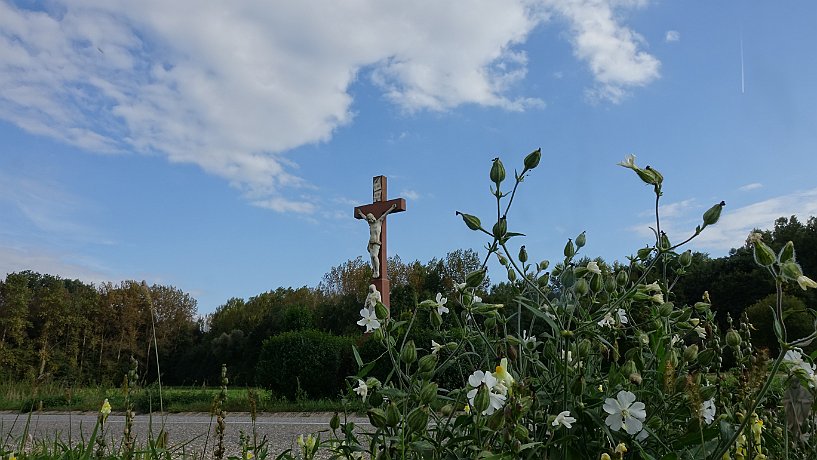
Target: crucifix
375,215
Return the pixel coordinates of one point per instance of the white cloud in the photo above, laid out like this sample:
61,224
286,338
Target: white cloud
611,50
672,36
70,266
670,210
735,224
410,194
232,86
749,187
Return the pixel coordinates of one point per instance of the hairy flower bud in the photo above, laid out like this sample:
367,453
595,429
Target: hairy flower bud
381,311
570,250
685,259
581,287
596,283
568,277
581,240
691,353
409,352
733,339
511,275
497,172
392,415
435,318
787,253
712,215
764,255
705,357
628,368
417,420
609,284
523,254
657,175
427,363
334,423
471,221
428,393
584,348
482,399
791,270
475,278
532,160
500,228
377,417
622,278
643,253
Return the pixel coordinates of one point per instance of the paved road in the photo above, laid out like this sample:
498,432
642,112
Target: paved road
187,432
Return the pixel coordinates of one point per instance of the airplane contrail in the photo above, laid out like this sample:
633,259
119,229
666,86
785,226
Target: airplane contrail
742,79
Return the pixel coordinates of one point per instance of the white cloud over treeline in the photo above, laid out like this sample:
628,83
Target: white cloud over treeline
231,86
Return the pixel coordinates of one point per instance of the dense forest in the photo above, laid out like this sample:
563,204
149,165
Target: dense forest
54,329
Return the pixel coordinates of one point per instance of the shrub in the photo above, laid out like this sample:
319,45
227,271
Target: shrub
312,361
798,322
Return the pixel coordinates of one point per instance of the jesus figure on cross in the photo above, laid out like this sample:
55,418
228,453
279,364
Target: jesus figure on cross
375,225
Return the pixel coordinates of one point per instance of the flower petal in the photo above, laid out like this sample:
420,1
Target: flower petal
638,411
625,398
476,378
611,406
632,425
613,421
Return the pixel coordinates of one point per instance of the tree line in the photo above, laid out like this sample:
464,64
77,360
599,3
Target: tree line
70,331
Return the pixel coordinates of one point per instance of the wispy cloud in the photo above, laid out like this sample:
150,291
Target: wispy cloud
672,36
752,186
67,265
410,194
670,210
735,224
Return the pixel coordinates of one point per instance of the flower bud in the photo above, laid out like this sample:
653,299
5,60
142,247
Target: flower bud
471,221
628,368
791,270
622,278
691,353
417,420
523,254
482,399
435,319
665,244
647,176
569,251
644,253
428,393
475,278
712,215
447,410
409,352
521,433
427,363
381,311
635,378
733,339
490,322
609,284
658,177
502,260
500,228
532,160
685,259
376,417
665,309
705,357
764,255
581,287
392,415
568,277
596,284
543,265
334,423
497,172
581,240
584,348
787,253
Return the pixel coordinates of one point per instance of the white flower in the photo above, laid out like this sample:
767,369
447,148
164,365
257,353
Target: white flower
622,316
528,342
708,411
362,389
658,298
653,287
695,321
795,359
700,331
441,308
564,419
593,267
435,347
607,321
478,378
369,319
460,286
502,375
477,299
629,162
625,412
675,339
805,282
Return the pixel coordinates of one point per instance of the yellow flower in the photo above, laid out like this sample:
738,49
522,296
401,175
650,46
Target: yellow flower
502,375
467,409
621,448
605,456
249,455
12,456
106,409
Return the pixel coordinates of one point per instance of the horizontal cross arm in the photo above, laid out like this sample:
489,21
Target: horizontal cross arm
377,209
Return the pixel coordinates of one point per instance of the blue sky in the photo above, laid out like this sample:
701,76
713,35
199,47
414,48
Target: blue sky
221,147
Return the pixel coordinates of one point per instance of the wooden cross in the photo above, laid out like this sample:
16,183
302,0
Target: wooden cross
378,209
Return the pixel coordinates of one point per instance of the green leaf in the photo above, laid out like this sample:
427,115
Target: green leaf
358,360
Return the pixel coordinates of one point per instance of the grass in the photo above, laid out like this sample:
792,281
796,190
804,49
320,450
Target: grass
54,397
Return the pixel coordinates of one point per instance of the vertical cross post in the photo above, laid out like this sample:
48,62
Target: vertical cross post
375,215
